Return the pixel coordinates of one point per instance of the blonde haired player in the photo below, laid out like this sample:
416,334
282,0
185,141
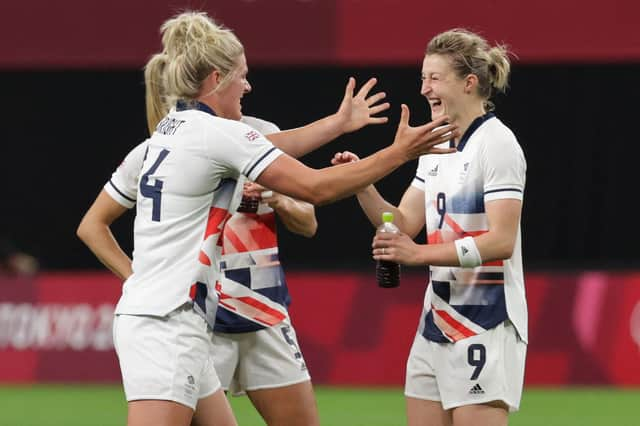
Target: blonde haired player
244,346
186,191
466,366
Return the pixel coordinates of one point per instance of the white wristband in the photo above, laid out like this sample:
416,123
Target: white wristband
266,194
468,253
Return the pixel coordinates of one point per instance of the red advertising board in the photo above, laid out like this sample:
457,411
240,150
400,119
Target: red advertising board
121,33
584,327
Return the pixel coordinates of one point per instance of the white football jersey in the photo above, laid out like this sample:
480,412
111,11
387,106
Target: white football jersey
488,165
123,185
183,197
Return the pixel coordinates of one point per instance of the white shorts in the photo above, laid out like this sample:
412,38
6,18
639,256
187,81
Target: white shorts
264,359
166,358
476,370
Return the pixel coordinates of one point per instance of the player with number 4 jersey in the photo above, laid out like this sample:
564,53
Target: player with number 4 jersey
255,324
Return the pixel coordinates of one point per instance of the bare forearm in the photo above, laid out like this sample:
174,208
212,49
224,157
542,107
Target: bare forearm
491,248
288,176
438,254
373,205
303,140
298,216
337,182
104,246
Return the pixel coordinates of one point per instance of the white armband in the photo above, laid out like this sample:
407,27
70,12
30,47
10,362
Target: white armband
468,253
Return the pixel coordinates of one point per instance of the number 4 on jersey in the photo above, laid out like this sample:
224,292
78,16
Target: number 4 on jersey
153,191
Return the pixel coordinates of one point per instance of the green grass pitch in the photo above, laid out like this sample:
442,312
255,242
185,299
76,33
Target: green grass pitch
78,405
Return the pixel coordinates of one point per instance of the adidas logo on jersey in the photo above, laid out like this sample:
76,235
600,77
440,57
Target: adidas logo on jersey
476,390
464,250
434,171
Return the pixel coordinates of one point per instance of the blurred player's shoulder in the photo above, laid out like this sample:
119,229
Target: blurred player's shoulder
263,126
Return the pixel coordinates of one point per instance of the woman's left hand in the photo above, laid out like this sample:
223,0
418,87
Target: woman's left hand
358,111
397,248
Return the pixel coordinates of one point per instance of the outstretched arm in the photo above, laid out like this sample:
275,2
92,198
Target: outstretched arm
354,113
289,176
94,231
408,216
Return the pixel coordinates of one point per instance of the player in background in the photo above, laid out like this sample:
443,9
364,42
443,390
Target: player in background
259,354
187,189
466,365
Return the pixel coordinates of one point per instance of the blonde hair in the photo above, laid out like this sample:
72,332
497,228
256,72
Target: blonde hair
193,46
471,54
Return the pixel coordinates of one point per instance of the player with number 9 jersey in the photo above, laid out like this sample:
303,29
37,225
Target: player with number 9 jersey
466,364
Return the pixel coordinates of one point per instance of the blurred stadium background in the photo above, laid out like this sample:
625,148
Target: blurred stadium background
73,105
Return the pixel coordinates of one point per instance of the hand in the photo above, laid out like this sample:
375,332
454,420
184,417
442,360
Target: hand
267,196
344,158
357,111
252,189
421,140
397,248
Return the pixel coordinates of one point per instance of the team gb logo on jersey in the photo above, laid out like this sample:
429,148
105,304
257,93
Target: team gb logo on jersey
252,135
463,173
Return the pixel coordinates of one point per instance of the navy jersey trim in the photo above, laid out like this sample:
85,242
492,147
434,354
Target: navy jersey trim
486,317
503,189
259,160
121,193
183,105
472,128
442,289
419,178
246,327
492,276
230,322
431,332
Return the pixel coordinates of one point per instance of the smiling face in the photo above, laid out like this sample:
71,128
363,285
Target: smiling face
229,96
444,90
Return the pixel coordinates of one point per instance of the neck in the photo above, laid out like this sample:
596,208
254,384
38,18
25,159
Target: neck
208,101
466,117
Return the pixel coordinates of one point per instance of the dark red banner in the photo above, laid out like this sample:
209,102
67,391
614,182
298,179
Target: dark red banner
584,328
123,34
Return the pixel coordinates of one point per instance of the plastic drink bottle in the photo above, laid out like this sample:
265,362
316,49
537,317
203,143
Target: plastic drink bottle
387,273
249,204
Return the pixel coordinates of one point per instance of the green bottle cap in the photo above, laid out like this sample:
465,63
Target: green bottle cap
387,217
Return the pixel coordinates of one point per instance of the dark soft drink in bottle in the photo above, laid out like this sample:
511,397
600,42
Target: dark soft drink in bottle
387,273
249,204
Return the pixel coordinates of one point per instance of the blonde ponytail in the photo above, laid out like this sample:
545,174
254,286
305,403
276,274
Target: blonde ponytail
193,46
499,67
155,97
471,54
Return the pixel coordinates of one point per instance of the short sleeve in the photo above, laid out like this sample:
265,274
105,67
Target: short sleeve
263,126
123,185
504,168
240,147
420,176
